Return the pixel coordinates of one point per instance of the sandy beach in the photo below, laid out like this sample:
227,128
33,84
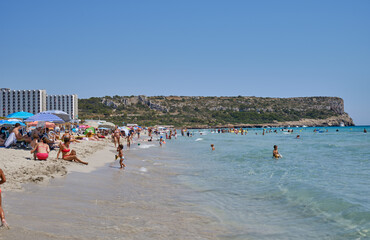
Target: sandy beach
101,201
20,167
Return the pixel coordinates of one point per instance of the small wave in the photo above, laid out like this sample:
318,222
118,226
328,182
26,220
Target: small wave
143,169
146,146
316,202
198,139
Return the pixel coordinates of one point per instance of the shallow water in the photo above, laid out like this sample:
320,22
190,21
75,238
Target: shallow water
318,190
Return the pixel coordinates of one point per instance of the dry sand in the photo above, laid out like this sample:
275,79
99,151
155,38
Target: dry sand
19,166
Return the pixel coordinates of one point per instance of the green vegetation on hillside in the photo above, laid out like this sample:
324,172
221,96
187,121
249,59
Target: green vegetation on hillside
193,111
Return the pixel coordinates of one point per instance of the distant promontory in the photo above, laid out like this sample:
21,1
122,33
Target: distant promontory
203,112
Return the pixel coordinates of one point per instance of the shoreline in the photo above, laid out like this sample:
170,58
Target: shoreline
328,122
142,201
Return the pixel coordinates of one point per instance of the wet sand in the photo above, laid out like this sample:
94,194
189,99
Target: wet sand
101,201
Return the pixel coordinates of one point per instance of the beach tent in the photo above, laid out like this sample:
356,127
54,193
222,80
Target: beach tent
21,115
46,117
44,124
63,115
92,124
91,129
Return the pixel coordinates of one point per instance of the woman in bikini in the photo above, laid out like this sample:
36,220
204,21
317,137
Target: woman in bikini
116,137
67,154
2,215
41,150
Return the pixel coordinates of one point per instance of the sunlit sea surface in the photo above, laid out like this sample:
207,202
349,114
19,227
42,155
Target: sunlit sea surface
320,189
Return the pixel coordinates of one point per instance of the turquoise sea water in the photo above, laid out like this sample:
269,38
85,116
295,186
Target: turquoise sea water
320,189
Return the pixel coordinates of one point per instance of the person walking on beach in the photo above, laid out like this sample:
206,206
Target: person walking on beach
117,136
2,215
275,153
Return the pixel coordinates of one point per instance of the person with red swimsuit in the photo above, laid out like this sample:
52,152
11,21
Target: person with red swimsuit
67,154
41,149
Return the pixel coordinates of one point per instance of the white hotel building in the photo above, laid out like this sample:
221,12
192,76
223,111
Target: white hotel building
65,103
35,101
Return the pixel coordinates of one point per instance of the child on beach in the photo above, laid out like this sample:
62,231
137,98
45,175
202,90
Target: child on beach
2,216
275,153
120,156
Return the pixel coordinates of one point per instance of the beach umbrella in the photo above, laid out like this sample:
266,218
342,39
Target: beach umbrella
46,117
124,129
14,120
63,115
7,122
44,124
83,126
21,115
107,125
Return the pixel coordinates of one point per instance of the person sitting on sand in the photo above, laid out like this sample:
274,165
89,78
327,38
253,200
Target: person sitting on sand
275,153
2,136
41,150
67,154
213,147
2,215
70,136
18,135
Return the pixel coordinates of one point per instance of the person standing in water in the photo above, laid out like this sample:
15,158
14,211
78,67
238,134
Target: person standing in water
276,153
120,156
2,215
365,131
213,147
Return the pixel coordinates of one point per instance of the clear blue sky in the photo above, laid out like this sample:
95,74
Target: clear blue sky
193,47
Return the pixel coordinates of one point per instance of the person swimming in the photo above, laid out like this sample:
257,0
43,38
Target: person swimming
275,153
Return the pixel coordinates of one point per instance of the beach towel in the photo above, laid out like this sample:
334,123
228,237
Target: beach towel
11,140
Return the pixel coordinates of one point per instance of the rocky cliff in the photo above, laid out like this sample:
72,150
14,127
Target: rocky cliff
218,111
